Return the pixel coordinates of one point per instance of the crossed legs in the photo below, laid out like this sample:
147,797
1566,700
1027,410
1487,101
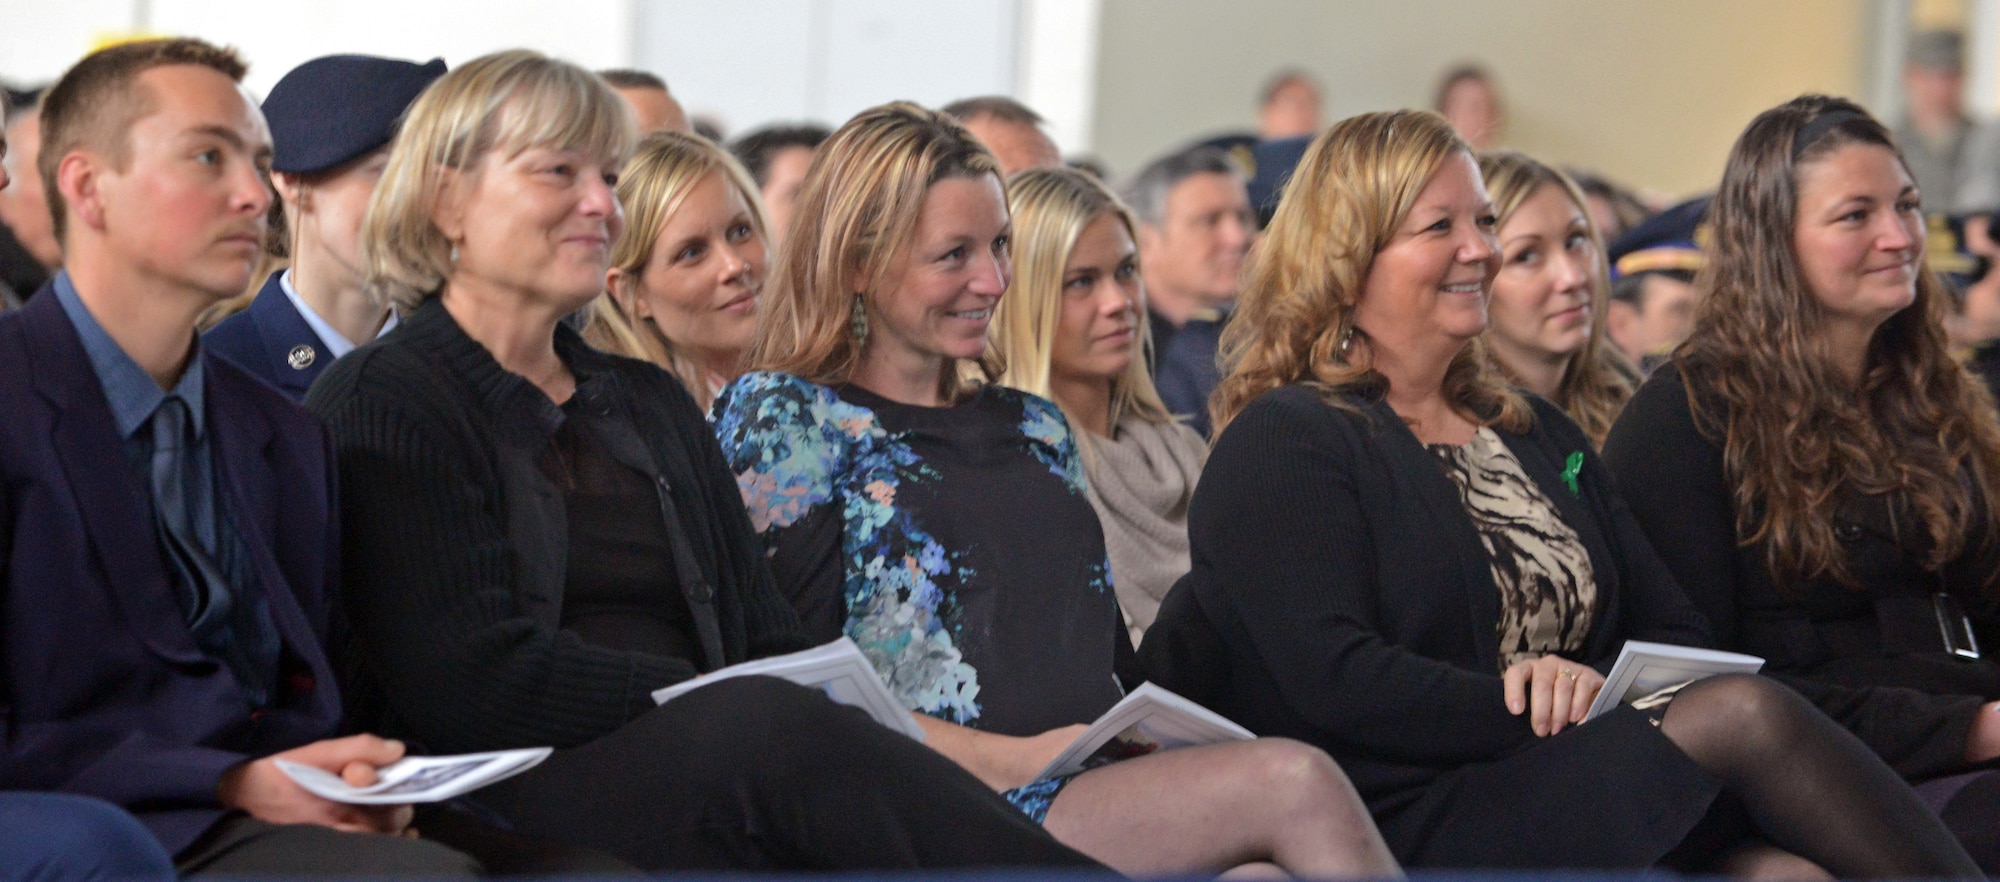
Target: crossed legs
1270,801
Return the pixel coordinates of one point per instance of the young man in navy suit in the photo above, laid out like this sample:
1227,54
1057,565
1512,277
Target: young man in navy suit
167,541
60,836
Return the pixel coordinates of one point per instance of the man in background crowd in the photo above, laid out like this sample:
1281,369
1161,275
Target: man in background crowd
1195,230
1955,161
1468,97
777,158
1008,128
653,107
28,249
1290,106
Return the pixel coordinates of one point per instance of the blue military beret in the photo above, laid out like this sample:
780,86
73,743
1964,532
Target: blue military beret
332,109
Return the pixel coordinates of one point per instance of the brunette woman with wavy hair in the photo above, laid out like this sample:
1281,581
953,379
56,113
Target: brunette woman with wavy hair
1548,309
1403,561
1813,465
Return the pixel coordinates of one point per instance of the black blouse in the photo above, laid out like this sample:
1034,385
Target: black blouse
621,590
457,556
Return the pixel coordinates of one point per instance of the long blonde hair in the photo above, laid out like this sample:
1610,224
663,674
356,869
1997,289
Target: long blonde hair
1294,321
510,102
855,216
654,183
1051,208
1598,380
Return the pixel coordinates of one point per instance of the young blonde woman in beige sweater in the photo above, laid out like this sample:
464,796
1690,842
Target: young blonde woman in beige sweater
1072,330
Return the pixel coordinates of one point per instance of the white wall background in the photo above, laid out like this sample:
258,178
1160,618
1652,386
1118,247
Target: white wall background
40,38
1652,92
744,62
750,62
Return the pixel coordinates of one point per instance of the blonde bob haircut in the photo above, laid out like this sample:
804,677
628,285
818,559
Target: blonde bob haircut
662,171
1051,208
1599,379
508,102
855,216
1294,323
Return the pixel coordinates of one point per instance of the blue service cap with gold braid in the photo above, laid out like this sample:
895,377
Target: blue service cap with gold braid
1672,240
330,110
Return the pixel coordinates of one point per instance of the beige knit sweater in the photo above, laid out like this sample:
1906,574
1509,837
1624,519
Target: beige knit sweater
1140,484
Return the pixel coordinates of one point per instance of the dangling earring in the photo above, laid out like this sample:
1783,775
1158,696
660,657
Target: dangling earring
857,322
454,254
1346,343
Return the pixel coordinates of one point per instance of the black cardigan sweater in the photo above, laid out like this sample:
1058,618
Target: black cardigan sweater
455,543
1884,634
1351,604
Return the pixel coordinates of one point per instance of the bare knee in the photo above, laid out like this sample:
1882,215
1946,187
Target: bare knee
1301,777
1760,862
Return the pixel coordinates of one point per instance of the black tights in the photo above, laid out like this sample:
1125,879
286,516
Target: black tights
1808,786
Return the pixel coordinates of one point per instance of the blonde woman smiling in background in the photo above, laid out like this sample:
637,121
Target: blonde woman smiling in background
1071,330
684,278
1546,328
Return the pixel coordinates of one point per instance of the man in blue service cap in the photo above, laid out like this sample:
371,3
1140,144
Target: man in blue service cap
331,122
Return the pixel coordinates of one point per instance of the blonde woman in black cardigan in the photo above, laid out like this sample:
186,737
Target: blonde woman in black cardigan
1422,571
538,534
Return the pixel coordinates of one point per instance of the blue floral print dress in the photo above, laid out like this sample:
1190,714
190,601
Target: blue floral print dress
955,545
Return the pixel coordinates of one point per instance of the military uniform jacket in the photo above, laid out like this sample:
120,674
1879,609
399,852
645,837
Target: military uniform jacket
272,341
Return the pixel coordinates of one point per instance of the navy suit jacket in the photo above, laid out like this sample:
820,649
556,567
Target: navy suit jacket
103,691
1187,372
272,341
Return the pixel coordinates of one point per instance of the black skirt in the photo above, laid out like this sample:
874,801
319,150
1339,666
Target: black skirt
1612,793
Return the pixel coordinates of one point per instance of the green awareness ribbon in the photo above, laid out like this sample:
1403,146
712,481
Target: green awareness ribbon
1571,468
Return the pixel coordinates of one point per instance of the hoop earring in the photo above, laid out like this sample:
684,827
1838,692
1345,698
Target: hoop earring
857,322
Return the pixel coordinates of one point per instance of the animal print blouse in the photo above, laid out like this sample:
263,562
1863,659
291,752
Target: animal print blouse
1547,587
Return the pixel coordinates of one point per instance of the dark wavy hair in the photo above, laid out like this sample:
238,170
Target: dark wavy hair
1795,439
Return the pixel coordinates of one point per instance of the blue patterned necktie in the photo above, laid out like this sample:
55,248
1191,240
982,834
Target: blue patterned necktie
217,589
181,508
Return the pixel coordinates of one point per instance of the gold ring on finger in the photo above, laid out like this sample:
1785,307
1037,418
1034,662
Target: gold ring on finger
1567,672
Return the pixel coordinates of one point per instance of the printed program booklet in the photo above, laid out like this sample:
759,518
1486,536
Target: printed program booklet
419,778
1645,668
838,669
1149,720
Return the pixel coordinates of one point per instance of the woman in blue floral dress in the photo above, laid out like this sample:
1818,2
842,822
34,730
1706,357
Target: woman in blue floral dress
943,524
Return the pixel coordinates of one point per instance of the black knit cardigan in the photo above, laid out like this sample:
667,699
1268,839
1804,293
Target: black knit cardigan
455,544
